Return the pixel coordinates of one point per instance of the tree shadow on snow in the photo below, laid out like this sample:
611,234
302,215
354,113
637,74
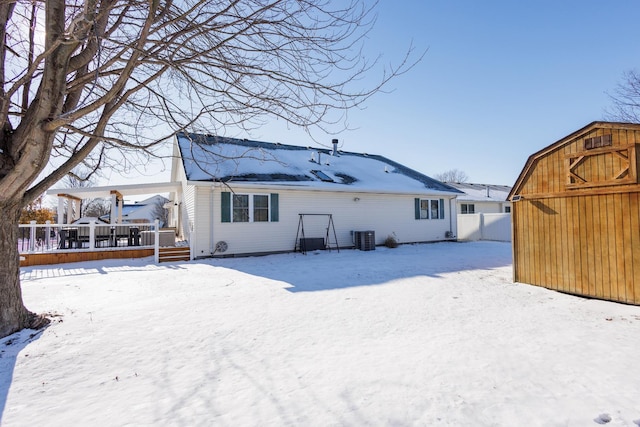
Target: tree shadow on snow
324,270
10,349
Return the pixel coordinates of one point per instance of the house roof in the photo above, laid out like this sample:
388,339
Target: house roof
481,192
535,157
144,210
220,159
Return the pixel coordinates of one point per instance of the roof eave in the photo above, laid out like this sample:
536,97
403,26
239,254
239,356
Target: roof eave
336,189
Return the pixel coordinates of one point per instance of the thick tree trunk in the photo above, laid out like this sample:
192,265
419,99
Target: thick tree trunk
13,314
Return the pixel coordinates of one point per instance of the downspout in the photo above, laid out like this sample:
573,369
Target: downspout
211,222
452,211
186,228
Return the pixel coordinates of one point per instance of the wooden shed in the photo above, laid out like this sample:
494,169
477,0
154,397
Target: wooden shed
576,214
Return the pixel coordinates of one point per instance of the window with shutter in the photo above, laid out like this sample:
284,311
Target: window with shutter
429,208
249,207
225,206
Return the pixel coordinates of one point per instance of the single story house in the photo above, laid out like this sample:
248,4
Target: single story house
241,197
144,211
482,198
576,214
483,212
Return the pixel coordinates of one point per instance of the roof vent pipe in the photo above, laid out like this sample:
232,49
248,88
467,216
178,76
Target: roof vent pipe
335,147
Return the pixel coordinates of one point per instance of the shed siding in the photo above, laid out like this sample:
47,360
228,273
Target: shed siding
576,226
383,213
587,245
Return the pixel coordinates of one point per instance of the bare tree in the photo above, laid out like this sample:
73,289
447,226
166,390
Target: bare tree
160,212
626,99
92,81
96,207
452,175
80,177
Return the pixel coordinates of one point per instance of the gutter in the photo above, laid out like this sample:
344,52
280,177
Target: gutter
328,188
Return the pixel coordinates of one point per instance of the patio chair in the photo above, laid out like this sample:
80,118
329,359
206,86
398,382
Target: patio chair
120,232
102,234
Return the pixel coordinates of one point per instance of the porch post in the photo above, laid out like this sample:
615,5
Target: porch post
70,211
116,206
60,209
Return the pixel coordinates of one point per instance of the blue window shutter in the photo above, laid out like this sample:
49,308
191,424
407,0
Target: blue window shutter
417,206
225,206
275,205
441,208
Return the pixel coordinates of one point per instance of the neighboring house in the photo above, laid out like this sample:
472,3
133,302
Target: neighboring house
145,211
576,214
482,198
244,197
483,212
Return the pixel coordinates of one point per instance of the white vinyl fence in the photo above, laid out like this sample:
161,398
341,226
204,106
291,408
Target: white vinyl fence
489,226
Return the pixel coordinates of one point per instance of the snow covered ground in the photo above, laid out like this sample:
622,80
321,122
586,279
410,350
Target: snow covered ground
432,334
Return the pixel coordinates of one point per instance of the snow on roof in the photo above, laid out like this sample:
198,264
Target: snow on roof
143,210
481,192
213,158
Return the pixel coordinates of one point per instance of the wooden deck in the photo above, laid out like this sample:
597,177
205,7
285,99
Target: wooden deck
79,256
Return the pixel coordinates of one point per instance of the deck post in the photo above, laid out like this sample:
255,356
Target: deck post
32,236
92,235
47,235
156,241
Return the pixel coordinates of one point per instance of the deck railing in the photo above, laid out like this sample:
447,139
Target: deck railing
48,237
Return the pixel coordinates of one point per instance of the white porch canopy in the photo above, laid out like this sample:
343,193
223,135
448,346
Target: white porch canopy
115,192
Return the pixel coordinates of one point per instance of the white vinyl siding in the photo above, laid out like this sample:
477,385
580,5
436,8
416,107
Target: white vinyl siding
201,231
385,214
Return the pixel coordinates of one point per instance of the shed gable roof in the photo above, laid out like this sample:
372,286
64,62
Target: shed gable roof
535,157
220,159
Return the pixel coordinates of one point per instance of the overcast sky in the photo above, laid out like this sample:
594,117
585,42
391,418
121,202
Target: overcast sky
500,80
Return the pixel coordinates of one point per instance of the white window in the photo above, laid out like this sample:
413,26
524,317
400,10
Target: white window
467,208
429,208
250,208
424,209
434,206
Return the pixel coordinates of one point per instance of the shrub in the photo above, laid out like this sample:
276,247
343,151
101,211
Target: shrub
391,242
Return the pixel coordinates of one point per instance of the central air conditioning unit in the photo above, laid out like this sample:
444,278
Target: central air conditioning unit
365,240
